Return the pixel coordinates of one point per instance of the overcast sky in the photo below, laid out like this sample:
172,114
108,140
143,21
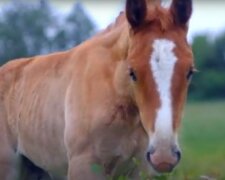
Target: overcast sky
208,16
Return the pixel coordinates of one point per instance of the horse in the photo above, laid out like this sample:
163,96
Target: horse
113,103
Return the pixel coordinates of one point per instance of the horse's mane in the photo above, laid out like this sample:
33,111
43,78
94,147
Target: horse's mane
119,20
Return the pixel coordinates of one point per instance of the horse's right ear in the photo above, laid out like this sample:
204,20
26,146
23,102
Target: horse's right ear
136,12
181,11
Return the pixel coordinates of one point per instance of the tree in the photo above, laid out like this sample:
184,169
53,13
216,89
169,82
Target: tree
23,29
209,83
28,29
76,28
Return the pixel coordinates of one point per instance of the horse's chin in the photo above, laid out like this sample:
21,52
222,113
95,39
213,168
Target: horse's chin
164,168
154,172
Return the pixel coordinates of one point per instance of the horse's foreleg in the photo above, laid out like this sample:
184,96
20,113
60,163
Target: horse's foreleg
142,168
84,167
7,159
7,170
7,153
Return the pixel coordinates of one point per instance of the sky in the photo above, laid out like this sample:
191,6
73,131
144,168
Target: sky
208,16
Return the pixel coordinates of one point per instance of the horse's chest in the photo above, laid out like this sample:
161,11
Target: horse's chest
119,139
114,148
116,144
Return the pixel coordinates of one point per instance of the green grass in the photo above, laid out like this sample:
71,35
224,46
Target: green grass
202,142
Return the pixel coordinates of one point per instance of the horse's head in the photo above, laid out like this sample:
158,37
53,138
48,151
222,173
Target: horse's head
160,64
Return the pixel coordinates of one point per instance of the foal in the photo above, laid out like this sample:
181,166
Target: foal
116,97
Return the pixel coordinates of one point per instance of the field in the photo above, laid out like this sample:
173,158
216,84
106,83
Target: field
202,142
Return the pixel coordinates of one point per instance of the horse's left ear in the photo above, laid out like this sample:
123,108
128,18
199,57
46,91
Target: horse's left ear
181,11
136,12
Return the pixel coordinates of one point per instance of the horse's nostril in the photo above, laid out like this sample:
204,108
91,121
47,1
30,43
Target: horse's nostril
150,152
148,156
177,153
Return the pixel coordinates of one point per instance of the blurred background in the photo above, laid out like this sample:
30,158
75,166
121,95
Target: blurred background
32,27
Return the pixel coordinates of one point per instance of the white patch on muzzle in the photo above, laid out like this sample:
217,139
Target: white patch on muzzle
162,64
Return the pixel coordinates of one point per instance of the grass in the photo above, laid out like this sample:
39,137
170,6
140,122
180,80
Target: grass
202,142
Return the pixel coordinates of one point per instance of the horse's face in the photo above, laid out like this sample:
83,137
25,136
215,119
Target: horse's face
160,64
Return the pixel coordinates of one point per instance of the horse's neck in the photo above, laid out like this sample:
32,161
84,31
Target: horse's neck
114,45
118,44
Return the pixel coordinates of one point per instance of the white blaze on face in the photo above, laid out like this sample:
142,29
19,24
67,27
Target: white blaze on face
162,64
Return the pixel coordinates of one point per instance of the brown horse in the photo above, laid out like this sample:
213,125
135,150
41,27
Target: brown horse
116,97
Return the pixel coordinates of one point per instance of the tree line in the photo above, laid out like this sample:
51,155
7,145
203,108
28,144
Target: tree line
209,81
28,29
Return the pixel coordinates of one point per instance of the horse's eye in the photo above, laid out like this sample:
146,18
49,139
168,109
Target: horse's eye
133,75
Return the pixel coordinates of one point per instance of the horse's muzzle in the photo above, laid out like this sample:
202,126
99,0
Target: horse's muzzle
163,161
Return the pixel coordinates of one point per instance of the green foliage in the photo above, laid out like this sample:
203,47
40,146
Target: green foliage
97,169
28,29
209,82
122,178
81,31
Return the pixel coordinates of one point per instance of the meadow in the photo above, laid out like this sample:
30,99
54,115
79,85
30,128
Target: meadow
203,143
